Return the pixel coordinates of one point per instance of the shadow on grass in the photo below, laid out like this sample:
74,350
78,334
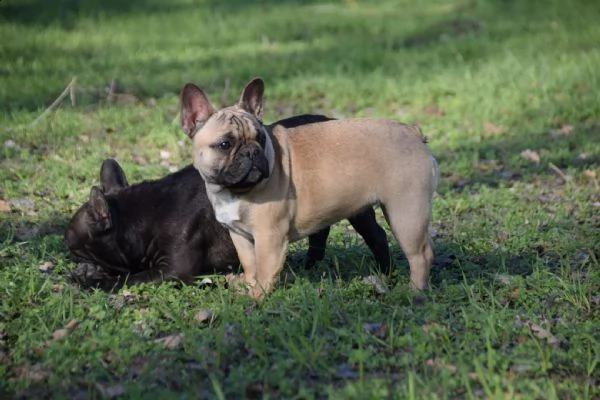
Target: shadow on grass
66,13
452,265
338,56
502,161
19,229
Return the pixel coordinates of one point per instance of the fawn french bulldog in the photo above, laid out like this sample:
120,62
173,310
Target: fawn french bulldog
271,185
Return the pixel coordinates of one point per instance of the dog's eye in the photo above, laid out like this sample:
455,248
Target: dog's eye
225,145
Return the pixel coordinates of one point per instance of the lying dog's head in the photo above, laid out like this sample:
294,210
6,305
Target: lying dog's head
90,230
232,148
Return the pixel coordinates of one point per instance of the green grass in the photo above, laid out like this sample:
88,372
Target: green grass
514,311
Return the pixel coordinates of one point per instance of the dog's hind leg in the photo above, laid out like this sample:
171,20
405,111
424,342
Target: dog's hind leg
409,220
374,236
316,247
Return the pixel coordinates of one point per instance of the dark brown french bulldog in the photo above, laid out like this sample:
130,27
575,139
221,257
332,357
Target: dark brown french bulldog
166,229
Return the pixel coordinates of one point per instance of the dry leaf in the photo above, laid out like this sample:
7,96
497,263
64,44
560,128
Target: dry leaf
433,326
437,364
542,333
72,324
171,342
47,266
110,391
203,315
531,155
34,372
563,130
59,334
434,111
514,295
377,283
520,339
567,129
4,206
377,329
492,128
504,279
139,159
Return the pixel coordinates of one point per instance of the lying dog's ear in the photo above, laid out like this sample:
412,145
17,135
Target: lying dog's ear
100,212
252,97
195,109
112,176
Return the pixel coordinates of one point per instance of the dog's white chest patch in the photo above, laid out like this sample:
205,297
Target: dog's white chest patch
227,209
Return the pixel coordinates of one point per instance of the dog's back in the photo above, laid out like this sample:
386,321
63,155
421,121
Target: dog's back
391,158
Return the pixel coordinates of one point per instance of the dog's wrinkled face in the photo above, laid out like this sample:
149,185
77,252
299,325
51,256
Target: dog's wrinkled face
90,235
231,146
91,232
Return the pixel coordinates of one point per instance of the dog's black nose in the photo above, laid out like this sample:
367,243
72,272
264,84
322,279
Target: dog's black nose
251,152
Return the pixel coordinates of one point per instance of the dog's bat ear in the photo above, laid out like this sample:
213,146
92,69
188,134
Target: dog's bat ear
195,109
112,176
252,97
100,212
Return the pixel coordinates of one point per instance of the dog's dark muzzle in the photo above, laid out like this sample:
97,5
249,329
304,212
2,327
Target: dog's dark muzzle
249,168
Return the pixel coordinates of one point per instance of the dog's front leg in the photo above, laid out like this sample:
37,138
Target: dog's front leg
270,251
245,252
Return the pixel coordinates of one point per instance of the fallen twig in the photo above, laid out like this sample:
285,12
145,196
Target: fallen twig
69,90
559,172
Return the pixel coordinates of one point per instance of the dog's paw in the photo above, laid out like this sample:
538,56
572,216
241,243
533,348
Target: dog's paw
241,286
256,292
237,283
229,278
89,276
